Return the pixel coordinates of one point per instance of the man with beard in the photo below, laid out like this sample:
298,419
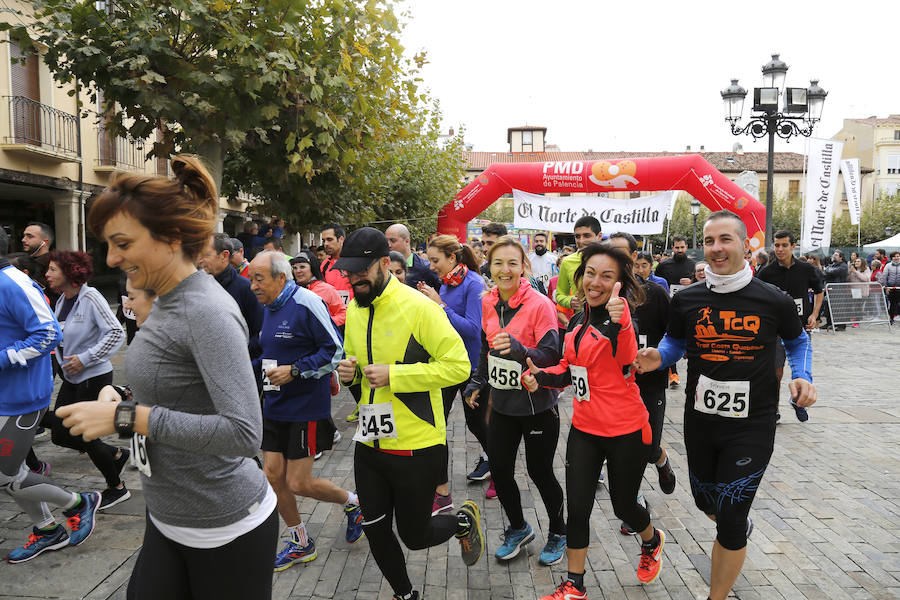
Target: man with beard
333,240
543,262
678,270
402,348
36,241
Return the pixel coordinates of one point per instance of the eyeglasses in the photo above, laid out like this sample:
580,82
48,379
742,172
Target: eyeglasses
360,273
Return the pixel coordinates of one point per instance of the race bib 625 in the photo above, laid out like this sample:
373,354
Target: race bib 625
723,398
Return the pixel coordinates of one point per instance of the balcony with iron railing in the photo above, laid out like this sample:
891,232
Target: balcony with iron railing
39,129
117,153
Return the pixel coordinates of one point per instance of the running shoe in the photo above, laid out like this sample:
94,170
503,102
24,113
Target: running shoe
651,561
413,595
566,591
293,553
354,416
666,477
441,504
553,549
81,520
317,456
38,542
471,541
337,436
749,527
354,523
802,414
43,469
513,540
124,455
491,492
481,471
112,496
674,380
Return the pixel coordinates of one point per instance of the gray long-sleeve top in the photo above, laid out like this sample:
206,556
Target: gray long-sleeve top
190,363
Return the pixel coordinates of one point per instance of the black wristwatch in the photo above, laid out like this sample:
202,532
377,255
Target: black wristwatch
124,420
295,371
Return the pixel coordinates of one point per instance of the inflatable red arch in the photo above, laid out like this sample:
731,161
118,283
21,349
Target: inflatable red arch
690,173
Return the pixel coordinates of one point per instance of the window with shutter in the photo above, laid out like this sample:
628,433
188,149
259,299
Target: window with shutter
25,89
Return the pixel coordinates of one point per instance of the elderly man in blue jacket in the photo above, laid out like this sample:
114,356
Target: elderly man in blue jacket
301,347
28,333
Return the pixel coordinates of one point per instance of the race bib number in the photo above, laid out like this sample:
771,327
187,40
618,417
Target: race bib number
268,363
139,457
376,422
799,303
642,341
722,398
504,374
675,288
345,296
580,383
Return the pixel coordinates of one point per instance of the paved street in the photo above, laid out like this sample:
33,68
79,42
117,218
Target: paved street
827,517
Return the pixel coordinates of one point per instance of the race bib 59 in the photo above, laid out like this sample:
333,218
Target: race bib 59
580,383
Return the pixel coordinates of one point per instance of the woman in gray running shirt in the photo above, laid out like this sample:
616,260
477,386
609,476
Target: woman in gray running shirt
211,521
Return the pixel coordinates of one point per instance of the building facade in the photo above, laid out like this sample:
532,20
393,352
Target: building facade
876,142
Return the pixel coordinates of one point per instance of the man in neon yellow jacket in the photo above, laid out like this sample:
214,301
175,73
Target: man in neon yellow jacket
587,231
402,348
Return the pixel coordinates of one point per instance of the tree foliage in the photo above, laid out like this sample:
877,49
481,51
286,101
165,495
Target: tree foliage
298,101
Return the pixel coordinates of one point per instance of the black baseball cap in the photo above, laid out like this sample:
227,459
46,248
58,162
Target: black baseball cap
361,248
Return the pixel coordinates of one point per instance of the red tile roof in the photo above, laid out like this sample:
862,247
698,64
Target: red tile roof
725,162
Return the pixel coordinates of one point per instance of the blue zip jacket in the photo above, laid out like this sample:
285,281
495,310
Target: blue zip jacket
297,330
28,333
464,311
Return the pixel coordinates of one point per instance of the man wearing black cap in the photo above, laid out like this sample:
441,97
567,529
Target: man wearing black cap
402,348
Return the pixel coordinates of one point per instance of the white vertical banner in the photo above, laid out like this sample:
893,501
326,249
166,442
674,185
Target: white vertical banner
850,171
821,185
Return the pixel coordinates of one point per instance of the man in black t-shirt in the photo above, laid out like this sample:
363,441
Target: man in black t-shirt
678,270
797,278
729,326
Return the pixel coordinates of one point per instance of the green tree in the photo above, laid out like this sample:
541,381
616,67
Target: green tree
288,91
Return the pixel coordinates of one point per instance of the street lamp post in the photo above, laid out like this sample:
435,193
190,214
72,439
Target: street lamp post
801,110
695,210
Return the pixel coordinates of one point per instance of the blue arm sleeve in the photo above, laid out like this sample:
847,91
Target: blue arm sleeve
671,349
799,356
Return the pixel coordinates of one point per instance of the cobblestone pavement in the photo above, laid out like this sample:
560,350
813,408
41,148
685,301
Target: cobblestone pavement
827,515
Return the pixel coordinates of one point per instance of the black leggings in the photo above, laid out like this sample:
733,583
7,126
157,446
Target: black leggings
402,487
449,395
238,570
626,458
541,433
101,454
726,463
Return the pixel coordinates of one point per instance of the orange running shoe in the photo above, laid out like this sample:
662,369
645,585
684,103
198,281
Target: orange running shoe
566,591
651,561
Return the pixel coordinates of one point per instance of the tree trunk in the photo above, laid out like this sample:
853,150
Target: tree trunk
211,153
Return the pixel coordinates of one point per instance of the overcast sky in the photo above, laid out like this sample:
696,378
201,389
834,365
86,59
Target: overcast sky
645,75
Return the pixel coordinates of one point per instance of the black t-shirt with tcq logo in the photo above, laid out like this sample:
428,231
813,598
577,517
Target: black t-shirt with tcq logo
731,349
796,281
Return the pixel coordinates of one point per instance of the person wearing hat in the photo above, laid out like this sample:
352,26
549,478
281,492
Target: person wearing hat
238,260
307,273
403,350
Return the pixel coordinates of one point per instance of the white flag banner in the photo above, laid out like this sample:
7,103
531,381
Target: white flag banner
821,184
641,216
850,171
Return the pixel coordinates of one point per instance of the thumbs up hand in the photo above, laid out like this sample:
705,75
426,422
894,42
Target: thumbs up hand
528,379
615,305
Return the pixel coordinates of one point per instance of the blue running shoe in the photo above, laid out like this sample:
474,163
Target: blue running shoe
513,540
295,553
481,471
801,413
354,523
39,541
81,520
553,549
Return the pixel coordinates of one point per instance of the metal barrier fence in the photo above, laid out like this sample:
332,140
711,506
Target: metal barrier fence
862,303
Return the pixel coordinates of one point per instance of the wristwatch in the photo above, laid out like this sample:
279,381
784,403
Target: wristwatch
124,419
295,371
